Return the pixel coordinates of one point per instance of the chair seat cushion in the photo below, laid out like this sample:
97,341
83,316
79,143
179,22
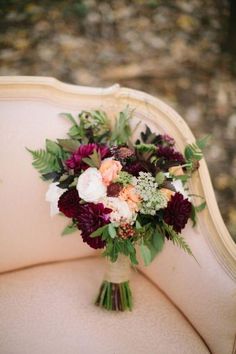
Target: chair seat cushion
49,309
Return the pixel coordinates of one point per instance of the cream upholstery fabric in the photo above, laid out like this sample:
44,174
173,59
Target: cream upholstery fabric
49,309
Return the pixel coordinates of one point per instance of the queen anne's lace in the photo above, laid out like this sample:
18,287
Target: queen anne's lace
152,198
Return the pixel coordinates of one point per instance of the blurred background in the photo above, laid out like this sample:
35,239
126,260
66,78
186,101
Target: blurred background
182,51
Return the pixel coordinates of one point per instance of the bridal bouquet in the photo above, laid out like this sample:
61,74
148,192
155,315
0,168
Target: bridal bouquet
120,194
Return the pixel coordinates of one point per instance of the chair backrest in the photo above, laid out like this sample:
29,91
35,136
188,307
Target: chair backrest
29,112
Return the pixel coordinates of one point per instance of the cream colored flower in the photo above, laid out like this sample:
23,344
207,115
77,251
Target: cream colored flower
52,196
90,185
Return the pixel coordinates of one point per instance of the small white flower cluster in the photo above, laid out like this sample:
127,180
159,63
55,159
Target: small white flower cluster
152,199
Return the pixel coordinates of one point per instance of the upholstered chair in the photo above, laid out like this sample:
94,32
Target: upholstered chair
48,282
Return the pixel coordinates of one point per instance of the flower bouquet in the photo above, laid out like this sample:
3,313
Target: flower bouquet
120,194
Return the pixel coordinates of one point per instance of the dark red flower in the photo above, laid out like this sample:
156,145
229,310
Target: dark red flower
168,153
92,216
68,203
76,162
177,212
114,189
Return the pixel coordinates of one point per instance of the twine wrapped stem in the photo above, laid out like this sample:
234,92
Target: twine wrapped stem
115,293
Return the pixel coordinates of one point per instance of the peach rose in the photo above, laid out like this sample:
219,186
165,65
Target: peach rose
176,171
130,195
109,170
167,193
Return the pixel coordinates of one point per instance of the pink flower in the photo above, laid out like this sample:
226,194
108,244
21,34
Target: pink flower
109,170
76,162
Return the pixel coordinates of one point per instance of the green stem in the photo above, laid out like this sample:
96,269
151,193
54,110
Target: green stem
114,296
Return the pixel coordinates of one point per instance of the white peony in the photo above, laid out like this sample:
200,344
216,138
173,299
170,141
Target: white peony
178,185
90,185
121,211
52,196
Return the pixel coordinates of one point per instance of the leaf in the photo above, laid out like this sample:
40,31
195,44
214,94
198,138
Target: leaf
158,241
178,240
149,137
69,117
69,229
122,132
194,151
200,207
146,254
143,148
160,178
203,142
44,161
138,225
133,258
193,216
94,160
65,184
53,148
69,144
111,230
75,132
99,231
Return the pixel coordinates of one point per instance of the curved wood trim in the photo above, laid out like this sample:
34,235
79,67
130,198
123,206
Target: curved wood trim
22,87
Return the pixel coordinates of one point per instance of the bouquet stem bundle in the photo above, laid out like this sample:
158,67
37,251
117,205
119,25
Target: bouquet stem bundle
115,293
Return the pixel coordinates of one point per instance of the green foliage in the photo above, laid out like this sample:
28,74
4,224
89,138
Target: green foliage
100,231
122,131
148,137
195,210
53,148
152,242
69,145
160,178
193,152
178,239
115,297
144,148
94,160
116,245
44,161
69,229
76,131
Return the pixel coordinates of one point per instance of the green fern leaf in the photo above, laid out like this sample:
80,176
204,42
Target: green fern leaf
178,240
44,161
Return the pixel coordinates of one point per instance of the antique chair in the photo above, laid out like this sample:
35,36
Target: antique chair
48,282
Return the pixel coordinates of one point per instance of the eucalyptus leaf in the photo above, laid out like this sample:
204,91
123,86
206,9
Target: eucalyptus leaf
146,254
99,231
158,241
69,144
69,229
112,231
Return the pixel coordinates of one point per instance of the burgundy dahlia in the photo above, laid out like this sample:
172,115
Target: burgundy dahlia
168,153
68,203
92,216
177,212
113,190
76,162
134,168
